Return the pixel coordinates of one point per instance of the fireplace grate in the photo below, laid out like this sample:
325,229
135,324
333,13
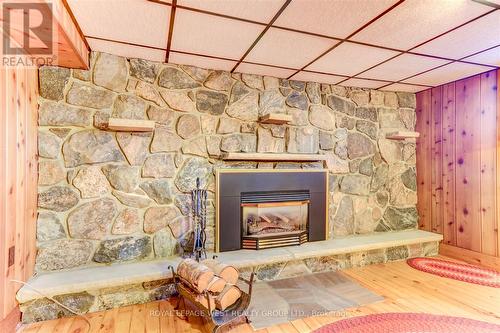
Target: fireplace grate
274,240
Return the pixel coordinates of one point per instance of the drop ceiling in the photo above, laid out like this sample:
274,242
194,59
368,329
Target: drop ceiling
405,45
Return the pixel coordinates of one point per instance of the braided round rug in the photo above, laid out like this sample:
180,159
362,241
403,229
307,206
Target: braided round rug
408,323
457,271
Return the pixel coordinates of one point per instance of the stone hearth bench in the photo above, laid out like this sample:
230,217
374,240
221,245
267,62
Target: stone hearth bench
98,288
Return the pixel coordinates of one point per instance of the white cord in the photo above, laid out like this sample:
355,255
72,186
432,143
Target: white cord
55,301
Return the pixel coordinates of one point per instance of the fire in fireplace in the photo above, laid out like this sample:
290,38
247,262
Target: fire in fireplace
274,219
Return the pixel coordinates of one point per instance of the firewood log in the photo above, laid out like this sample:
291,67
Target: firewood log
216,285
265,218
203,300
196,274
200,298
282,217
227,297
228,273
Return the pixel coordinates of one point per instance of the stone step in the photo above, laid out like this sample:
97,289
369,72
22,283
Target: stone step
97,288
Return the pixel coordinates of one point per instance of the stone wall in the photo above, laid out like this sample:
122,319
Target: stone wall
108,196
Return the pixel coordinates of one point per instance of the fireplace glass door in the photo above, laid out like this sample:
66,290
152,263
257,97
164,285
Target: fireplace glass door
274,223
261,219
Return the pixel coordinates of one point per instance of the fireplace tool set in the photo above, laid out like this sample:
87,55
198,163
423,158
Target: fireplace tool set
225,305
199,215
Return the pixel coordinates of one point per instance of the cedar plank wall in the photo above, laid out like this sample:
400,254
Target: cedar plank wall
18,184
457,162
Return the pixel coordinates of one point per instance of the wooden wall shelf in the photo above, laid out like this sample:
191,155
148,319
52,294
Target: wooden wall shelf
401,135
272,157
276,119
131,125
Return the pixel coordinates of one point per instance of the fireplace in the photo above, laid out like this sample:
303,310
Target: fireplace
274,219
259,209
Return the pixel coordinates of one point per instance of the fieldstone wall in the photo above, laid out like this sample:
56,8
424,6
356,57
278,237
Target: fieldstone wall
108,196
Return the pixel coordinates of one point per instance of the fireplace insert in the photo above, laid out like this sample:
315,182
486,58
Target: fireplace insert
274,219
259,209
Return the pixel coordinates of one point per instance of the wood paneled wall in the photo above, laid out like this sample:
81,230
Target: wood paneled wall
18,182
457,162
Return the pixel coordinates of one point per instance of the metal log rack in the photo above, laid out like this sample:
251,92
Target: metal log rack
217,319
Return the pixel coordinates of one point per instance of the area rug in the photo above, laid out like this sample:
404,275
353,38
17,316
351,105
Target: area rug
457,271
408,323
279,301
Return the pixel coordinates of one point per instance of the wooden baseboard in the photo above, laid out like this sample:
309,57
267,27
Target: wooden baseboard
469,256
9,323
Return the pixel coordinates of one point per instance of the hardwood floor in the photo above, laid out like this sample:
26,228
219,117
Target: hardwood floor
404,290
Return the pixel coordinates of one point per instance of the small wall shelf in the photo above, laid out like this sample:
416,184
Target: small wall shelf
271,157
401,135
276,119
131,125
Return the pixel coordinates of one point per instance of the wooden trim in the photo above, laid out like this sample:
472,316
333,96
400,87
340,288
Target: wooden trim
170,29
276,118
75,22
18,175
272,157
423,150
471,257
69,47
131,125
10,322
401,135
68,32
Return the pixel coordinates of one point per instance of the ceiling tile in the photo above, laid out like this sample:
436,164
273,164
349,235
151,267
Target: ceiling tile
256,10
288,49
336,20
264,70
404,87
402,67
317,77
125,50
363,83
448,73
471,38
199,61
415,21
490,57
132,21
350,59
212,35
